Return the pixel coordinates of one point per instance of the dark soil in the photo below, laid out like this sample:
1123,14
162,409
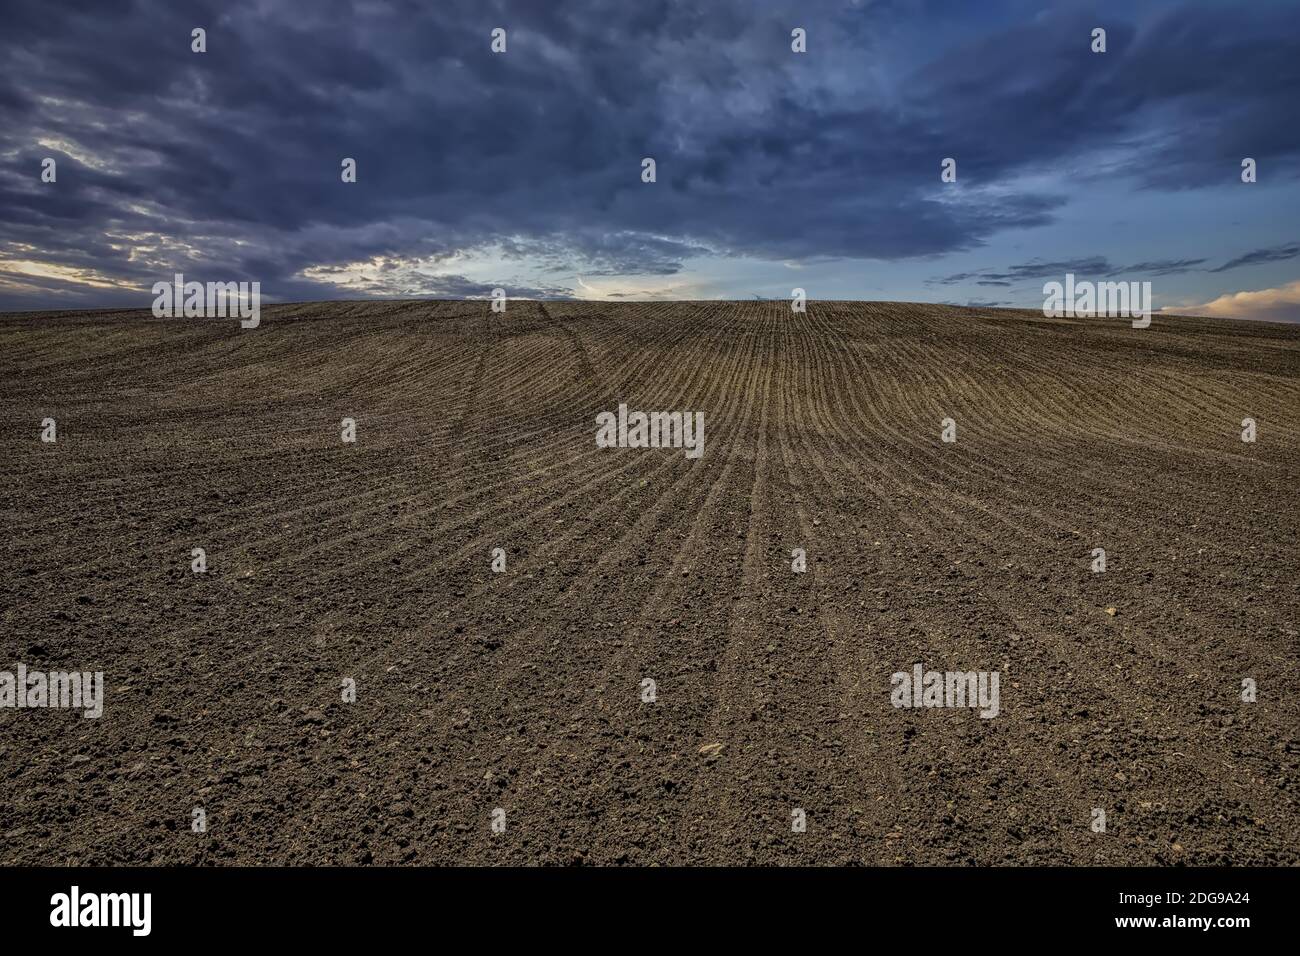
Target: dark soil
522,690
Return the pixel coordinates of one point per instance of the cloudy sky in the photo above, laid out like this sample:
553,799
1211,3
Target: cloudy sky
774,169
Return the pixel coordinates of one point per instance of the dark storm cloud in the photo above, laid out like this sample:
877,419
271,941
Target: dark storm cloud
1186,92
1101,266
1258,256
227,163
1096,265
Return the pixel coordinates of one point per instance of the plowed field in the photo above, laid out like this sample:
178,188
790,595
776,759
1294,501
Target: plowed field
523,690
